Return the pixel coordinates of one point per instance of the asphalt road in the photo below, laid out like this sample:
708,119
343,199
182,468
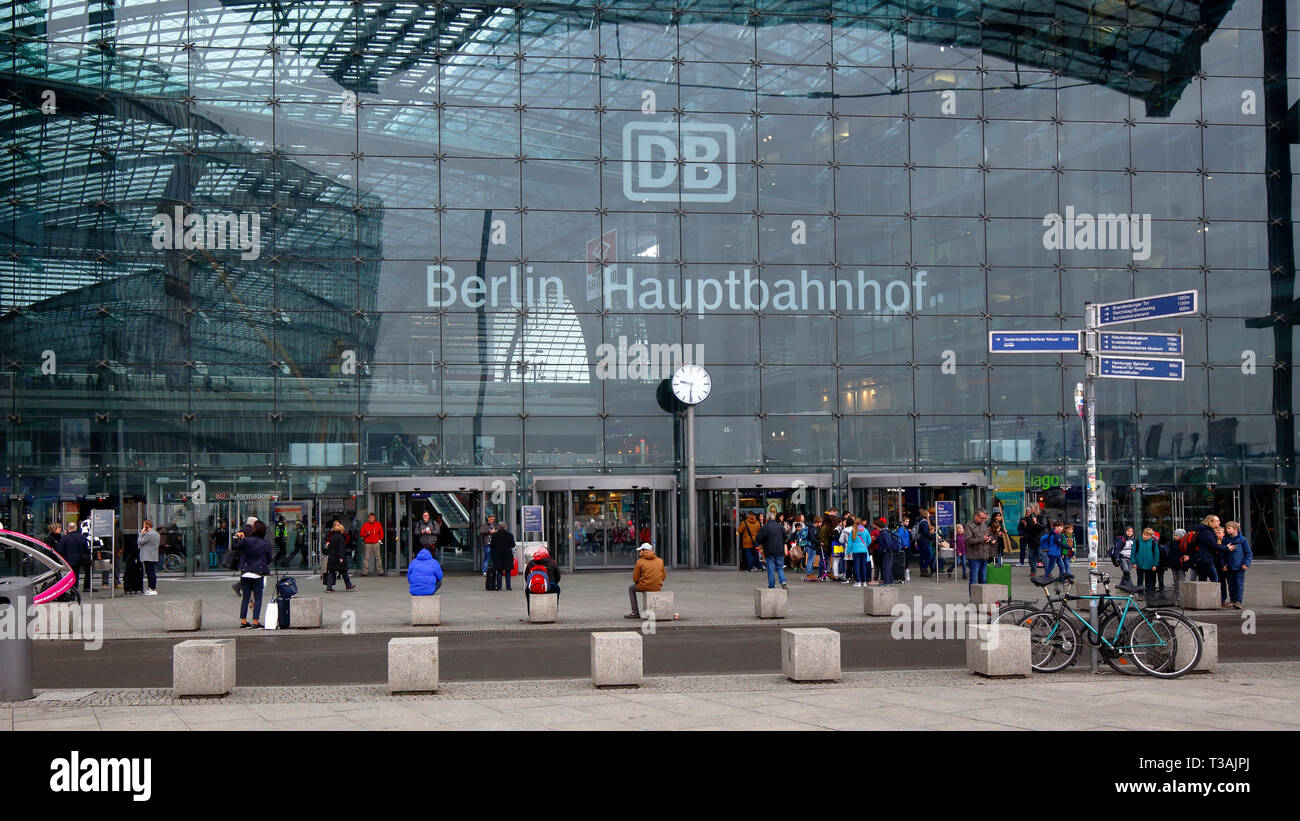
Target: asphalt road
271,659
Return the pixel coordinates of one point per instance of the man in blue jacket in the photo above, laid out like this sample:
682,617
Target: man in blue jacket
424,576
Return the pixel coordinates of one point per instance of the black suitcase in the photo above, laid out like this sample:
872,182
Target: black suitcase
283,618
900,566
133,578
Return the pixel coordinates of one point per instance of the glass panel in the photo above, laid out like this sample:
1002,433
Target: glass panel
592,521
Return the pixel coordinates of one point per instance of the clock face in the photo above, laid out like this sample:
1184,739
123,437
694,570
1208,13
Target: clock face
691,384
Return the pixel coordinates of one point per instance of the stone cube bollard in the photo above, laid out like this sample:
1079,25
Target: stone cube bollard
203,667
771,603
616,659
998,650
1209,662
988,593
305,612
183,614
879,600
543,608
426,610
810,654
1200,595
661,602
1290,593
413,664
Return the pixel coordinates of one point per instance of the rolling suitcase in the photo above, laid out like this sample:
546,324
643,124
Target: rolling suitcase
282,605
133,578
900,565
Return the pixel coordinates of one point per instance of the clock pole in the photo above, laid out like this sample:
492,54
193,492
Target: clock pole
692,532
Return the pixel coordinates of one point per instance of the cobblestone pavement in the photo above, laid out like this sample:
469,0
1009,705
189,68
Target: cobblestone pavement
589,599
1238,697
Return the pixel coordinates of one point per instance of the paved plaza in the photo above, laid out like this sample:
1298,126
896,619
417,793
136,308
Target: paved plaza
595,599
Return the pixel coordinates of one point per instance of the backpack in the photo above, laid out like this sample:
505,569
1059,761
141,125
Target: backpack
1180,550
539,580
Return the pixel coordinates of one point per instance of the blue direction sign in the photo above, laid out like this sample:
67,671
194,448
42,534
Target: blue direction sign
1126,367
945,514
1147,307
1130,343
532,518
1035,342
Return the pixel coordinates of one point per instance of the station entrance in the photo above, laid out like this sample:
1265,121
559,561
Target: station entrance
463,502
724,502
894,495
597,522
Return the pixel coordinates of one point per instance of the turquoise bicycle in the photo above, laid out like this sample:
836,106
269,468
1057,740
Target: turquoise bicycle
1162,643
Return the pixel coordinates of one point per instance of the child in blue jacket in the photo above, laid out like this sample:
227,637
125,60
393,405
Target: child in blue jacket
1234,558
1052,549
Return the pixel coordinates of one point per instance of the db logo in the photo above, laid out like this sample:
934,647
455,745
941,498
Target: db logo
654,154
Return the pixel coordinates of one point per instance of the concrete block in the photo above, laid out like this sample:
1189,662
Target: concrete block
305,612
1209,662
771,603
1200,596
183,614
413,664
810,654
543,608
426,610
616,659
203,667
998,650
661,602
988,593
878,600
1290,593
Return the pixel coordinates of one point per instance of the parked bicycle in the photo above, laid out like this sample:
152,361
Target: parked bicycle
1148,637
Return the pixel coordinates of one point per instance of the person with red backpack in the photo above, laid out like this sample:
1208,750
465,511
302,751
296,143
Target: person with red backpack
542,575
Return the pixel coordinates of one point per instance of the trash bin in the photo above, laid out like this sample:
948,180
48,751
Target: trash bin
16,649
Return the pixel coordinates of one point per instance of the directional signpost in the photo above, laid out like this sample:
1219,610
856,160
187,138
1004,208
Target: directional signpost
1160,306
1128,344
1108,355
1035,342
1127,367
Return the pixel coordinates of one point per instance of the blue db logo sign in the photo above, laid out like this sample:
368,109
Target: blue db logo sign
657,155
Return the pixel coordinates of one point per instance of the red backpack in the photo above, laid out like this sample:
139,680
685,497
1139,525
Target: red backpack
539,580
1183,547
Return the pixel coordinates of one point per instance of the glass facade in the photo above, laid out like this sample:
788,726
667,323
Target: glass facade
255,252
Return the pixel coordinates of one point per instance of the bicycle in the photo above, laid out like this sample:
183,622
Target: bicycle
1147,636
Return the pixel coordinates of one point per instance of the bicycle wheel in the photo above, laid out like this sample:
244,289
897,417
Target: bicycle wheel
1014,614
1166,644
173,563
1053,642
1116,655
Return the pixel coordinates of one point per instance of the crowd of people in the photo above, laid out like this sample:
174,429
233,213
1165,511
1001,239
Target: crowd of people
832,547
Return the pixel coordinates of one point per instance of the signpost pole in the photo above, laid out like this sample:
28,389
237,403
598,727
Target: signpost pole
1090,449
691,513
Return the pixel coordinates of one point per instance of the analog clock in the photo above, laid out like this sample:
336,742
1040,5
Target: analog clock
691,384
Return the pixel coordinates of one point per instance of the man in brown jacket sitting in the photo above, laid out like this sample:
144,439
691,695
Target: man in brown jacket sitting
648,575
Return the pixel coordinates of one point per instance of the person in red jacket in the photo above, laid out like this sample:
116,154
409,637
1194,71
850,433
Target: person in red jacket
372,534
